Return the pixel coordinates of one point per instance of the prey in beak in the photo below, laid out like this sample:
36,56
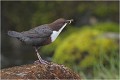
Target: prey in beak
69,21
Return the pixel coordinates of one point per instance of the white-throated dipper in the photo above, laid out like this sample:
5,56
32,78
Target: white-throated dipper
41,35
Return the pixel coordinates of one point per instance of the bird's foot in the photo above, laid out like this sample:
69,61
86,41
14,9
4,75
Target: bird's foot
41,62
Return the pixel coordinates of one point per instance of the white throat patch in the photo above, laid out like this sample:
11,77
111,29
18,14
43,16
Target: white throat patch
56,33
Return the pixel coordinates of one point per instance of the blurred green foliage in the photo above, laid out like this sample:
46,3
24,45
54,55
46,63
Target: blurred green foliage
103,9
107,27
83,48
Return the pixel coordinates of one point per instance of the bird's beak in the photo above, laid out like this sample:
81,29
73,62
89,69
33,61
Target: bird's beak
69,21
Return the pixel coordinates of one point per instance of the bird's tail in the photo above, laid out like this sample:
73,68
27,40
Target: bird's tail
14,34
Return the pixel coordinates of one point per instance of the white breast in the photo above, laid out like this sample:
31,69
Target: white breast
56,33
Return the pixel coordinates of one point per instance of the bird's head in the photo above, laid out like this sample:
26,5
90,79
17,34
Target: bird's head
57,24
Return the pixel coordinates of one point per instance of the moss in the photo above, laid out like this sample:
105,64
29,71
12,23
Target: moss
83,48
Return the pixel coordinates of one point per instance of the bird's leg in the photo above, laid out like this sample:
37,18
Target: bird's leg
39,57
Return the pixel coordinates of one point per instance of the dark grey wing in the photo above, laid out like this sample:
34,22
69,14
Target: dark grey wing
38,32
43,30
30,34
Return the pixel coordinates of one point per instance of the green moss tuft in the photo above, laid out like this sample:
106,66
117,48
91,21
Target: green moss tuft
83,48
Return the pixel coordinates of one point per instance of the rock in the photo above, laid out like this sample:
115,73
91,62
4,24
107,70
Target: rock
39,71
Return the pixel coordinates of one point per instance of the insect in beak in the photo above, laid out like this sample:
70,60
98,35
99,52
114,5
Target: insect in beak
69,21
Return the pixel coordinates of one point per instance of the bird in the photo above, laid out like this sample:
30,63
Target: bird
41,35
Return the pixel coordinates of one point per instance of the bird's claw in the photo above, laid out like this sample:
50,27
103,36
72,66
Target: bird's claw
41,62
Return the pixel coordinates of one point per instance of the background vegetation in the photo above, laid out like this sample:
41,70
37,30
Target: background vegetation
89,45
